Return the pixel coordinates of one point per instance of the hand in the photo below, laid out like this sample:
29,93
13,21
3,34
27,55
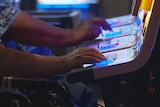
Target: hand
81,56
90,29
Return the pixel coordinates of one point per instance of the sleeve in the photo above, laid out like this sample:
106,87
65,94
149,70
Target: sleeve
7,15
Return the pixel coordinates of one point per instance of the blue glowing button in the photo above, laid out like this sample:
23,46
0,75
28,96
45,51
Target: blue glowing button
111,35
108,47
105,62
113,23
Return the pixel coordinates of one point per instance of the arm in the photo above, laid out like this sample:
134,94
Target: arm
20,64
29,30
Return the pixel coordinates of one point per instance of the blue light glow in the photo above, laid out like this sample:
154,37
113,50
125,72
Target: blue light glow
43,6
113,23
104,63
111,35
107,47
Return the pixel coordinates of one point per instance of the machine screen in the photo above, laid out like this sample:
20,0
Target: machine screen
124,43
43,4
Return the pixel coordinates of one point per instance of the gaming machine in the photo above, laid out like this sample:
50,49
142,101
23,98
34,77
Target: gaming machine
129,77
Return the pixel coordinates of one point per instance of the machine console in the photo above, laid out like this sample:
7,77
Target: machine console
129,46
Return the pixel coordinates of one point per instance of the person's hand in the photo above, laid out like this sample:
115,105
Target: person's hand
81,56
90,29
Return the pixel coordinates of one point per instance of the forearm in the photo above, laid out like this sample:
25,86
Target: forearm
29,30
20,64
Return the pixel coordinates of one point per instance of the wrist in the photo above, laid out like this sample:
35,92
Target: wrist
66,63
68,37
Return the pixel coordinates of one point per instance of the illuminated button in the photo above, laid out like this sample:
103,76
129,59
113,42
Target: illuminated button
113,23
105,62
114,34
138,21
108,47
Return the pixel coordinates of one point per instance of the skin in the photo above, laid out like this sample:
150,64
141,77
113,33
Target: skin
28,30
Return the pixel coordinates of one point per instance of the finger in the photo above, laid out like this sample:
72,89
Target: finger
102,22
90,59
94,53
96,31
